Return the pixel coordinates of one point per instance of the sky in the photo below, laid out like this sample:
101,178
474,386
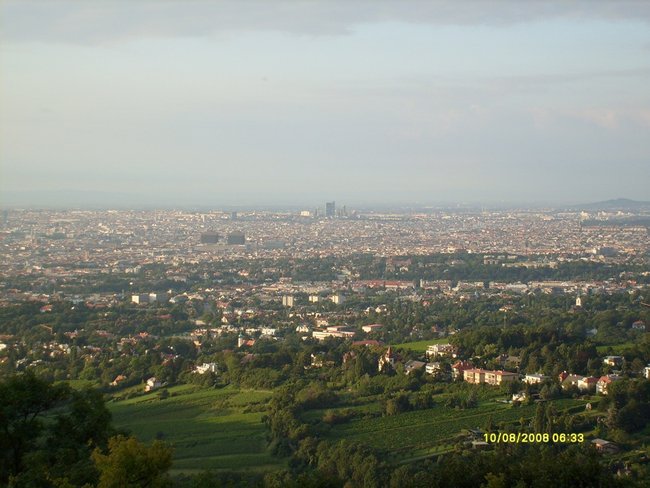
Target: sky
169,103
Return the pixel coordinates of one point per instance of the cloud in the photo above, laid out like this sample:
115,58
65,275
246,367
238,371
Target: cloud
119,20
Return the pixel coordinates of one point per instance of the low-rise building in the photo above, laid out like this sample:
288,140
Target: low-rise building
441,350
413,365
613,360
603,383
535,378
639,325
587,383
570,380
458,368
152,383
433,368
371,328
605,447
207,368
321,335
478,376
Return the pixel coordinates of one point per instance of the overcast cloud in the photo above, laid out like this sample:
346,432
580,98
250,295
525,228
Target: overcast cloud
232,103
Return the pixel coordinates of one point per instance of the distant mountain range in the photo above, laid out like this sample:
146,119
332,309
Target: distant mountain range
615,204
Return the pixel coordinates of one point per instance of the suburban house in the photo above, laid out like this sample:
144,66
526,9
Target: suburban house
605,381
587,383
152,384
458,368
569,380
441,350
519,397
508,360
605,447
535,378
613,360
207,368
433,368
412,365
118,379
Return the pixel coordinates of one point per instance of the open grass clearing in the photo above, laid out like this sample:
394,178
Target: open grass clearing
421,346
208,428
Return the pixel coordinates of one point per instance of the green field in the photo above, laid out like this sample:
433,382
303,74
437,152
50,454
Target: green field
421,346
214,429
616,348
425,432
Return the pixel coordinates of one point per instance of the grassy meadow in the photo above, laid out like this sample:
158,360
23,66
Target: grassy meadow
426,432
217,429
421,346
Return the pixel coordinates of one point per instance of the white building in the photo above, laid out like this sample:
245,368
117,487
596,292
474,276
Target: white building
152,384
433,368
371,328
613,360
441,350
142,298
587,383
207,368
532,379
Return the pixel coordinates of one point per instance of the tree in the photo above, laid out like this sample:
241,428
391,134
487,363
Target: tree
47,432
132,464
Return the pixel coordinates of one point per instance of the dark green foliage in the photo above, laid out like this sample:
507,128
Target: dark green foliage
47,432
132,464
510,465
627,405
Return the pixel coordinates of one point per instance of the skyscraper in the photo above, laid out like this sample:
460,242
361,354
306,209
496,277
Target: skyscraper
330,209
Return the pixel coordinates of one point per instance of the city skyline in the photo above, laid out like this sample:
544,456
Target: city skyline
174,104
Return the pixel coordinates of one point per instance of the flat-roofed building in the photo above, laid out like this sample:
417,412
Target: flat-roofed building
371,328
535,378
478,376
441,350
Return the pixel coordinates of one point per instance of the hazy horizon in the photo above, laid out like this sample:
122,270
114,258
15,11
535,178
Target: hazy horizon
286,103
114,202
